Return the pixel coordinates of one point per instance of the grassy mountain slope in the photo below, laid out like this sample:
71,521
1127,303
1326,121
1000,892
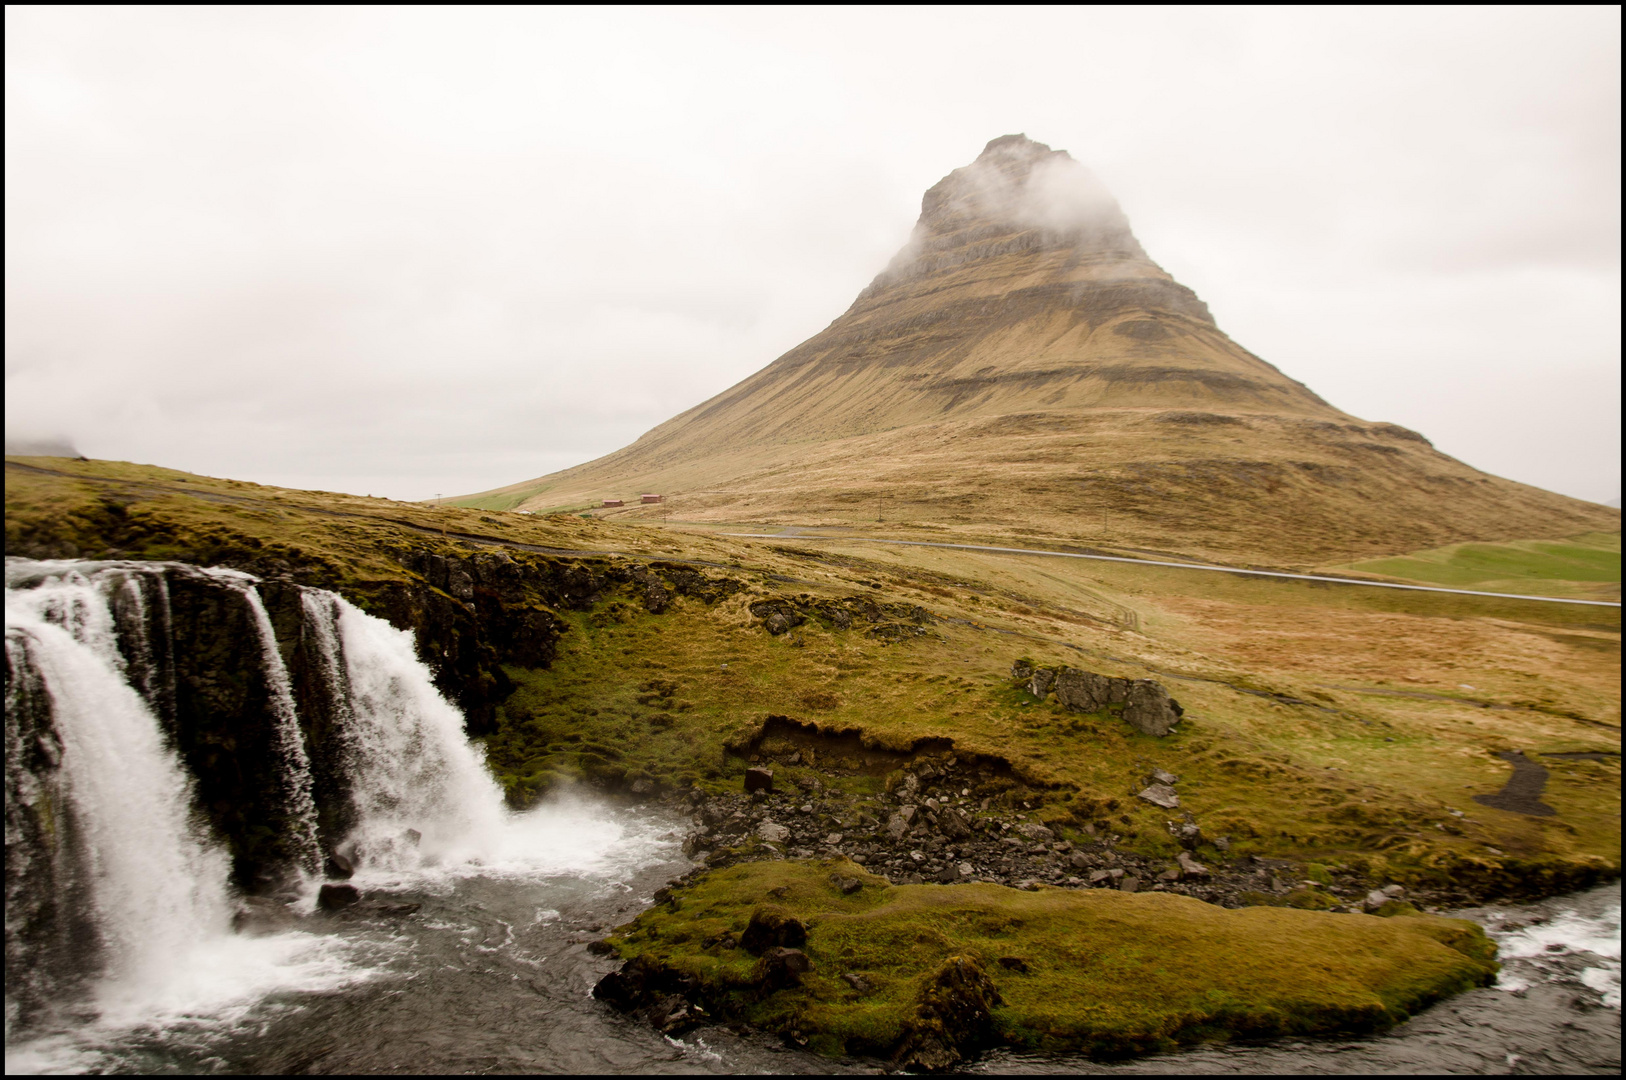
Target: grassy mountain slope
1023,368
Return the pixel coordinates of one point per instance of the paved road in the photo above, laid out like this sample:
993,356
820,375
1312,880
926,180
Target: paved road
1179,565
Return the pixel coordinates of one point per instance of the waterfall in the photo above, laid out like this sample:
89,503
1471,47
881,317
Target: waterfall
421,791
154,741
156,882
297,803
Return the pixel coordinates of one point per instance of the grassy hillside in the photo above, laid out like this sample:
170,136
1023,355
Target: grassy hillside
1003,377
1327,724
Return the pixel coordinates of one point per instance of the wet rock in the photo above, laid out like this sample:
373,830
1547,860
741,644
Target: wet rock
772,832
627,988
771,927
672,1014
1161,795
338,868
1149,709
953,1016
257,916
641,786
759,780
335,897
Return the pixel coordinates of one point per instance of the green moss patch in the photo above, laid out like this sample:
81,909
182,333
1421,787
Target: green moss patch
1100,971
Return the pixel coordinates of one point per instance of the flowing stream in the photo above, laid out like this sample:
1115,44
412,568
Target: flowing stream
121,897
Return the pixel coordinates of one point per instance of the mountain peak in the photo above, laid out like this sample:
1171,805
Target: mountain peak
1022,366
1018,195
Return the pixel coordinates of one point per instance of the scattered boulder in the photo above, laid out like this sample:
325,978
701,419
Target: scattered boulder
1150,710
759,780
847,885
1039,683
1128,883
1085,691
772,832
857,982
1159,776
901,821
1037,833
1021,671
1189,867
335,897
777,624
1189,835
953,824
771,927
1161,795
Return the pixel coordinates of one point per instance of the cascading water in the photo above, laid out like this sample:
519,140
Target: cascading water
166,752
155,880
421,791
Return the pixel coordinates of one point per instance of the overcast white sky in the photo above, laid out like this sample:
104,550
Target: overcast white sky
416,251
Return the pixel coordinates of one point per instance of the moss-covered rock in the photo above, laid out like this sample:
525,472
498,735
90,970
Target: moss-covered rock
924,973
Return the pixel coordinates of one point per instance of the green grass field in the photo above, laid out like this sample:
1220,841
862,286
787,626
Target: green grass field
1574,566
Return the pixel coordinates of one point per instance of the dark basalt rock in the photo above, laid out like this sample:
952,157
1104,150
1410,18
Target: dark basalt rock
771,926
781,967
953,1016
758,779
338,868
335,897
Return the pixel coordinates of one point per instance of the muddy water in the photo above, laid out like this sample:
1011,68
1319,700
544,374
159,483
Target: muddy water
492,975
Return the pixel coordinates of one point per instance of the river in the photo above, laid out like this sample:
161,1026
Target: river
490,972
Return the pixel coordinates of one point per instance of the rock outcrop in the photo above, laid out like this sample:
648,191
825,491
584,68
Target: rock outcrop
1145,705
